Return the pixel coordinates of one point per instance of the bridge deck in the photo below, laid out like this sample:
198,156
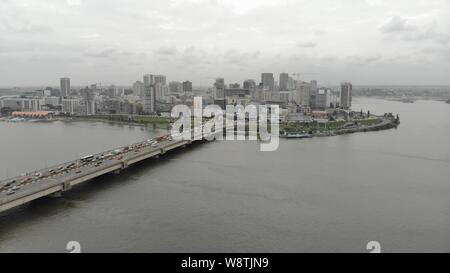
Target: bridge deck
23,189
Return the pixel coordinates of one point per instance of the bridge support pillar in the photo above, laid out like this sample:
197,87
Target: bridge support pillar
66,186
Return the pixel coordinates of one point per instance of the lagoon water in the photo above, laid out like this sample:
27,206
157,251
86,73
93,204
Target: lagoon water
331,194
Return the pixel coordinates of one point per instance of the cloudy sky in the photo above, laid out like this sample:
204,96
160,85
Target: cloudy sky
117,41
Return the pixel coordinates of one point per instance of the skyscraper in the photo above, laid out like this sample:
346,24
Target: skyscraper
219,88
160,79
346,95
149,80
284,79
175,87
323,98
313,85
65,87
268,81
313,94
88,100
269,85
251,86
187,86
148,98
138,88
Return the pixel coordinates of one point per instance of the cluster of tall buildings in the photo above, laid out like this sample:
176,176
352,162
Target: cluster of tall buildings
286,91
155,94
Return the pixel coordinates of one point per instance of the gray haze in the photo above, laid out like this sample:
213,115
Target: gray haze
116,41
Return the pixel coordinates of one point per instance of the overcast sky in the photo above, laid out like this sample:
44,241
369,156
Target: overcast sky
117,41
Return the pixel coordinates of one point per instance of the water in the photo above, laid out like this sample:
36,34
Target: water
331,194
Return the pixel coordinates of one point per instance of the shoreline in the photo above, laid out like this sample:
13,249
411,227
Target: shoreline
386,123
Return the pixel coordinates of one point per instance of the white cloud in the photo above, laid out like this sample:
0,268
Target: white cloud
307,45
396,24
74,2
236,39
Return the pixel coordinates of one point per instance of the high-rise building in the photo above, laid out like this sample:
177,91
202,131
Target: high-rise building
313,85
160,79
251,86
138,88
268,81
323,98
259,93
65,87
72,106
161,91
148,98
313,94
149,80
175,87
219,88
269,85
291,83
346,95
284,80
88,103
301,95
187,86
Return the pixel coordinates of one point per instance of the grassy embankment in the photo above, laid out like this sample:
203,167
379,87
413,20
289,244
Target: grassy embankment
162,122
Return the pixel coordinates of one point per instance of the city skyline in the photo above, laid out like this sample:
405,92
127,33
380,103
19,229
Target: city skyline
372,42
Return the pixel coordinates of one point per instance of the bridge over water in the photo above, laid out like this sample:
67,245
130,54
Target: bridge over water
53,181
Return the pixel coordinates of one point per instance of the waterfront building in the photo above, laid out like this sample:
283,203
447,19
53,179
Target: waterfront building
53,101
88,100
35,115
65,87
22,104
346,95
323,98
72,106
